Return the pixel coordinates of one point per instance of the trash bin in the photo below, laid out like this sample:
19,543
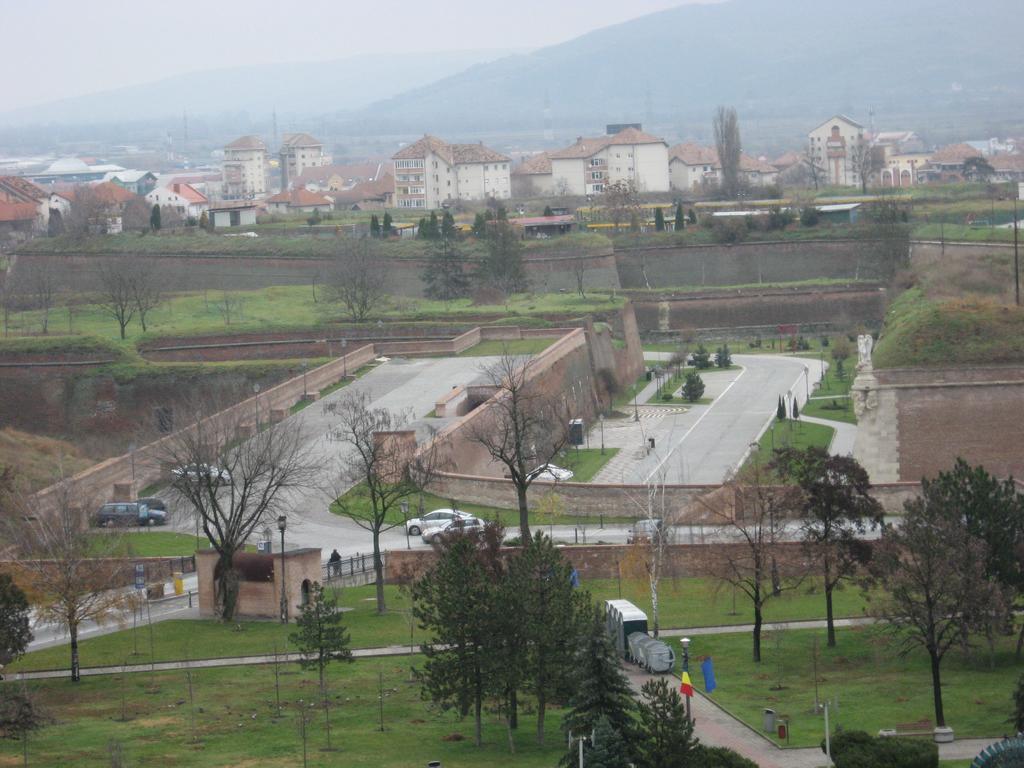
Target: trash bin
769,721
649,374
650,441
179,583
434,764
783,728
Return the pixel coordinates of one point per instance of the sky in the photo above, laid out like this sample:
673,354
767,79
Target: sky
85,46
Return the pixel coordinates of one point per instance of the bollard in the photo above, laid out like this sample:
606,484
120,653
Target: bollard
190,598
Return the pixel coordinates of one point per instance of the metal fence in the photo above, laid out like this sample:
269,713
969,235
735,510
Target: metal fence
350,566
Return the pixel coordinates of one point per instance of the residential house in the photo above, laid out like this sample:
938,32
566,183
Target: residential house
244,169
366,195
787,160
591,164
757,172
110,201
532,177
902,169
1007,167
184,198
334,178
232,214
692,167
899,142
430,172
834,145
136,182
947,163
24,208
298,201
300,151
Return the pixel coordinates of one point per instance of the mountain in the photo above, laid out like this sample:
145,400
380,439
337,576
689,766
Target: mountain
294,89
772,60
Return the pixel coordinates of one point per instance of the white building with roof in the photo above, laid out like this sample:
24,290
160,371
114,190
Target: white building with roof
300,151
244,169
430,172
591,164
833,145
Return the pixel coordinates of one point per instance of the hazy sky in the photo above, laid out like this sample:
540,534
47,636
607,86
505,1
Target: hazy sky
73,47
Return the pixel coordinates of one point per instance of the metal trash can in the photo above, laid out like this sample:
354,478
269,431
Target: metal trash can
783,730
434,764
649,374
769,721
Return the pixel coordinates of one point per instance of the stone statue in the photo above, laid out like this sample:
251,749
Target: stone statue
864,400
864,346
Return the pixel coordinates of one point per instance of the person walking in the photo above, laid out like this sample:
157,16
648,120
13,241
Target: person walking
333,564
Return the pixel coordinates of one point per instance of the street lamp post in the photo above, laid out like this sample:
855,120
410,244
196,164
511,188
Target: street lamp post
1016,261
305,365
282,523
344,359
600,418
686,668
256,392
807,383
404,504
131,452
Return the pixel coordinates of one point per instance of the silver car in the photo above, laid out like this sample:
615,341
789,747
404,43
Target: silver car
417,525
459,526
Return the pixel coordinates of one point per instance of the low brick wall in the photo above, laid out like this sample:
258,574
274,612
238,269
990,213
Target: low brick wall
157,569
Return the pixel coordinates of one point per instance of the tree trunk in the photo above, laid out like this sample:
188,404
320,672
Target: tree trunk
524,516
1020,641
73,631
940,716
378,571
225,586
478,718
829,620
757,632
513,709
542,703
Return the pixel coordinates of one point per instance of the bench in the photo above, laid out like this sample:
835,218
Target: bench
920,728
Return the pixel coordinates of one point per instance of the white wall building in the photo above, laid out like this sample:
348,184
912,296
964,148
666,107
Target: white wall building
833,145
430,172
692,166
245,168
300,151
184,198
591,164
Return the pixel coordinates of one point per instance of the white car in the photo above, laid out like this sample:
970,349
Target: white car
435,519
551,472
193,472
455,527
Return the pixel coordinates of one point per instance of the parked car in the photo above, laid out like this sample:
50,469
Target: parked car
417,525
644,530
459,526
155,504
129,513
216,475
551,472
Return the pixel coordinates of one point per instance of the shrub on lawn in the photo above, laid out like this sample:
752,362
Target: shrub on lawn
857,749
719,757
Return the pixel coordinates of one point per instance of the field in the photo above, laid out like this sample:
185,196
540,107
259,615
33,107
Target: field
875,686
145,543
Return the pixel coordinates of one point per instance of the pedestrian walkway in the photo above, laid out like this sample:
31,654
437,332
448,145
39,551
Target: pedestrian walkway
842,440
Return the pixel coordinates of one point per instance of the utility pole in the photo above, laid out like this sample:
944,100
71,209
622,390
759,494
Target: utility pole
1016,258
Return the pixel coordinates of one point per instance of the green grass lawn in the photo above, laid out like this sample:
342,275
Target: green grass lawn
966,234
795,434
684,603
586,462
625,397
236,722
512,347
147,543
876,687
839,406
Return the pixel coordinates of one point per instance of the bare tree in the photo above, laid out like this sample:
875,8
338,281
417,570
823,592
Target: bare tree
621,202
88,214
116,288
170,218
815,171
229,305
37,283
357,278
55,553
648,557
147,285
135,217
865,161
726,128
8,299
580,267
236,488
523,429
383,465
750,512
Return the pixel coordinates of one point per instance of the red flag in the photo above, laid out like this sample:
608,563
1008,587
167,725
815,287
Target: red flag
686,687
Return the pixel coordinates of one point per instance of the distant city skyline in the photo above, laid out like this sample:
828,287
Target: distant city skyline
81,48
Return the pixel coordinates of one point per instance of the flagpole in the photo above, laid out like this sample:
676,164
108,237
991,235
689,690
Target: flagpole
686,674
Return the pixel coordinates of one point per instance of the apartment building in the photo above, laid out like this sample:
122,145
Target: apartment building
692,167
430,172
591,164
300,151
833,145
244,169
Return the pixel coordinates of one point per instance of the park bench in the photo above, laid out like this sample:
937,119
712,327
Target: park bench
920,728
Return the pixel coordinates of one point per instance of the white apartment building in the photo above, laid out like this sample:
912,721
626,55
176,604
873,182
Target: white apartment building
832,145
300,151
692,166
591,164
430,172
245,168
184,198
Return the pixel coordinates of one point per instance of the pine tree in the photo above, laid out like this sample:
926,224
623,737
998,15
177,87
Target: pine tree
479,226
666,734
386,225
701,358
445,276
320,635
154,218
548,211
780,411
603,690
448,226
374,226
724,359
692,216
502,266
204,221
659,220
679,223
796,410
609,749
693,387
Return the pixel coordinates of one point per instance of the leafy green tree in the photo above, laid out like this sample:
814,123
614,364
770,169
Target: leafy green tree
691,216
479,225
445,274
659,220
455,604
540,575
502,266
679,223
666,737
15,632
320,634
724,358
374,226
429,228
448,229
608,750
837,509
386,228
548,211
154,218
693,387
315,218
603,690
809,216
701,358
719,757
1018,706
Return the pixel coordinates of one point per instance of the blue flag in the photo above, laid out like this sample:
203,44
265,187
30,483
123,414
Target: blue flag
708,670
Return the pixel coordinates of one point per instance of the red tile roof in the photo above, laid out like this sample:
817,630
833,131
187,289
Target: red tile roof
188,192
693,154
109,192
452,153
588,147
538,164
350,174
954,154
299,198
367,190
420,149
477,153
18,211
14,189
247,142
299,140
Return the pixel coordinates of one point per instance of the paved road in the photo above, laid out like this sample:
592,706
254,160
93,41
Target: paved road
706,443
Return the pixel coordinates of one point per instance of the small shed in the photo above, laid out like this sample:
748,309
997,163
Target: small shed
623,619
259,581
225,216
839,213
545,226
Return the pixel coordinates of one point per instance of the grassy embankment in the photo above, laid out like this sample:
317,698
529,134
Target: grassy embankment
791,434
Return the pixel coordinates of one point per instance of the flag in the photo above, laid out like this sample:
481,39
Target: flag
708,669
686,687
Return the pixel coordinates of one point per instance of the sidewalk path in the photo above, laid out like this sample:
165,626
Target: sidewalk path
842,440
